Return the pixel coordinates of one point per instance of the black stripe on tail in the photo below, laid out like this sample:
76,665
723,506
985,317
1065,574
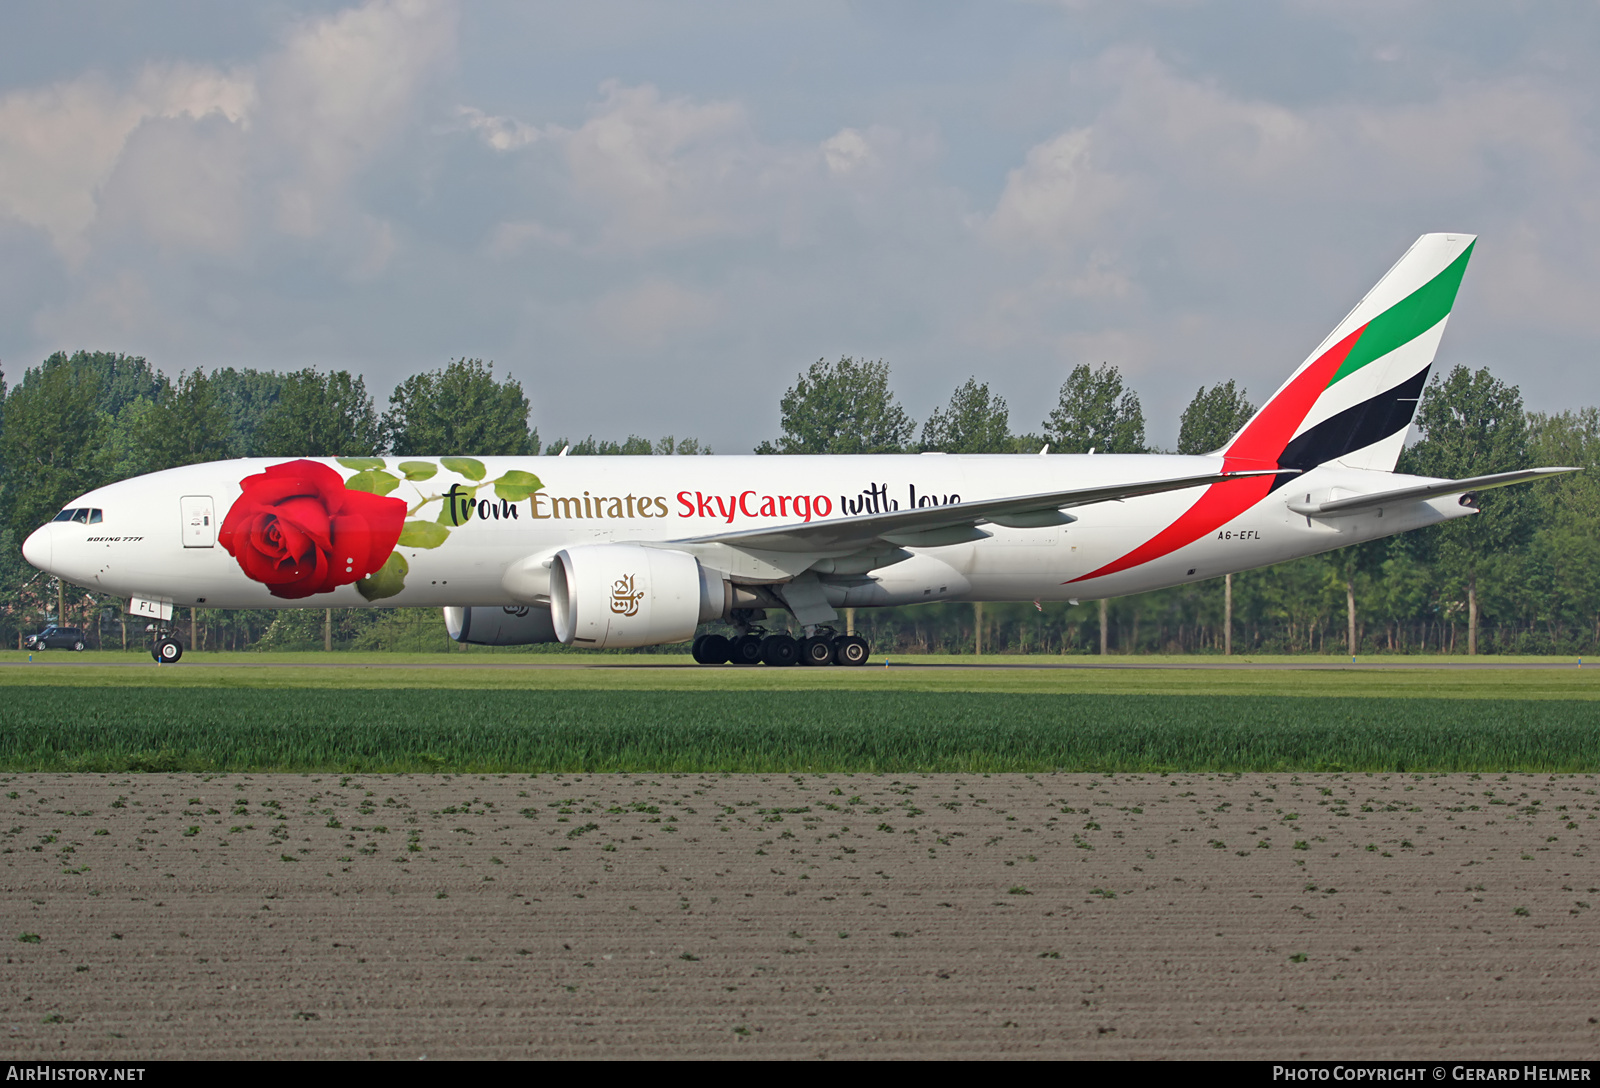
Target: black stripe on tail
1354,428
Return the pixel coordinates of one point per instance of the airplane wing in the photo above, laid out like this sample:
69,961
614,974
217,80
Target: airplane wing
1361,504
934,526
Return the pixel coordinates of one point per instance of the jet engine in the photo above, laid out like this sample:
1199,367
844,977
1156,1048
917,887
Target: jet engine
625,595
512,625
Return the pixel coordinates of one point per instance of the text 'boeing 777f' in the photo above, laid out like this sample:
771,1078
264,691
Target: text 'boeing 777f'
636,551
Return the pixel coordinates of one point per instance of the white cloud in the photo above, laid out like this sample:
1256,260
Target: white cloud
1058,197
660,171
181,184
59,144
339,90
500,133
1194,123
653,172
847,151
876,153
181,151
1215,182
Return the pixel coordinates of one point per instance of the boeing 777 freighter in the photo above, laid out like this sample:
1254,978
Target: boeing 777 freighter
636,551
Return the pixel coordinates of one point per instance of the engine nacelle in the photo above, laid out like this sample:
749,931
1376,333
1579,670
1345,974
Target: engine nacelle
513,625
625,595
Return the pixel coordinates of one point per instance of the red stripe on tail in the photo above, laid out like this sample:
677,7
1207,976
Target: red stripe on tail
1257,447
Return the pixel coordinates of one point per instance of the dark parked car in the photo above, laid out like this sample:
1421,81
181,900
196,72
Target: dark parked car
61,638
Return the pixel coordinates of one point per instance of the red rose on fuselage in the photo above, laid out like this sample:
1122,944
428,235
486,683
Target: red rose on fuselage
300,531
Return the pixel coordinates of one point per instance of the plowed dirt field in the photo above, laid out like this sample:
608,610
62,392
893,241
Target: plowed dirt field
1189,915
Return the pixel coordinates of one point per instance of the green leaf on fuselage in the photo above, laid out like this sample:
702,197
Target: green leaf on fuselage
387,580
418,470
470,467
379,483
516,485
360,463
423,534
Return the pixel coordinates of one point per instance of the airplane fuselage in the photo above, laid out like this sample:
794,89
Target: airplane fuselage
157,537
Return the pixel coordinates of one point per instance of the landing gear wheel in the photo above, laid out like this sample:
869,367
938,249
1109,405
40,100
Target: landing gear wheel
168,650
851,650
711,649
816,651
746,650
780,650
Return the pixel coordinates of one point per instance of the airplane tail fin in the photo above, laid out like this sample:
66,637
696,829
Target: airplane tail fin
1353,399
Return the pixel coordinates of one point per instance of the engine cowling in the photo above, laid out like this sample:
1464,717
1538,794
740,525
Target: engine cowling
512,625
604,595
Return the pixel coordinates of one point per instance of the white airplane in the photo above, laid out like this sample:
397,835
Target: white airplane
636,551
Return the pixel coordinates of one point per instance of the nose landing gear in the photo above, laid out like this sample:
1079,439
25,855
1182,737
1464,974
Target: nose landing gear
163,646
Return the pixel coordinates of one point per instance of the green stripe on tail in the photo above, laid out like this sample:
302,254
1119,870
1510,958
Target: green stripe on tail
1407,319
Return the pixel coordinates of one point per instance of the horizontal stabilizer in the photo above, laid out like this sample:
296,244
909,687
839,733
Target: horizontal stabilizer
1361,504
843,535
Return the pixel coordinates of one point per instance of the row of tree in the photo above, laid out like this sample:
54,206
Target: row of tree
848,407
1523,575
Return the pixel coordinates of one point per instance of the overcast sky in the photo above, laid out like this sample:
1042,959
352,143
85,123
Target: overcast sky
655,215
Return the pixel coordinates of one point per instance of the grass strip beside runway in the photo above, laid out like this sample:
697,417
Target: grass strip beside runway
497,731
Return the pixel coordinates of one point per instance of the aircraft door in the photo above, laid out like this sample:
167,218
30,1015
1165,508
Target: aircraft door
199,521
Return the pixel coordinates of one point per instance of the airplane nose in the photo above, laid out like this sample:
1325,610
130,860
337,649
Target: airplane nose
37,548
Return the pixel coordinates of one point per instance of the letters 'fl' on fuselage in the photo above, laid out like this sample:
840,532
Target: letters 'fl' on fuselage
629,551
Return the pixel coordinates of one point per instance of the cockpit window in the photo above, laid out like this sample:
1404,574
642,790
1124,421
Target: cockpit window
82,515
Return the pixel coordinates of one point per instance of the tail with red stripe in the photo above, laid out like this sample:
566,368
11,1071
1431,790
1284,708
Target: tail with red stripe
1350,402
1353,399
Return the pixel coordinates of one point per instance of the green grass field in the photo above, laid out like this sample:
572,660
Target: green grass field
499,713
1294,677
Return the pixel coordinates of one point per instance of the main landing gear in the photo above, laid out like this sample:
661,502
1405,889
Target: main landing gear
756,647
